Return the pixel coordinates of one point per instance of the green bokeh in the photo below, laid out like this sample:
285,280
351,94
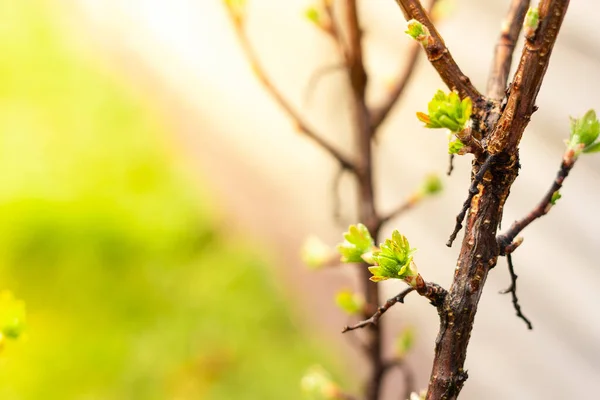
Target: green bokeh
132,292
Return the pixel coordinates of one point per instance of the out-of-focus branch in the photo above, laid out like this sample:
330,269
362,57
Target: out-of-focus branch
439,55
379,114
262,76
503,54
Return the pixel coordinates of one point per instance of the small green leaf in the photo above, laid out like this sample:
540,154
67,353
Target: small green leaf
432,185
358,241
313,15
532,20
418,31
315,253
394,260
405,342
351,303
447,111
454,146
584,132
12,315
317,384
555,197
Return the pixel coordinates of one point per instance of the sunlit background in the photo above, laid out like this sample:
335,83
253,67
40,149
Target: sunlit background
153,200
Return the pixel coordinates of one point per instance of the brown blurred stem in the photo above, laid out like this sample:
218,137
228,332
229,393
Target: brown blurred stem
262,76
503,54
380,113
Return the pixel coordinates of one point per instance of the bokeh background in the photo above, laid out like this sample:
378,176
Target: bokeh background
153,200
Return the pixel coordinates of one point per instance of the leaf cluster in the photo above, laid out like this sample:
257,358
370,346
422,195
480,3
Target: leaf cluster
393,259
584,133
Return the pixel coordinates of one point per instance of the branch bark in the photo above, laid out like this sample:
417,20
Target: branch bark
479,250
439,55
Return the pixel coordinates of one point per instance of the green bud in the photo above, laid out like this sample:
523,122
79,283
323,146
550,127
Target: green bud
313,15
584,132
418,31
358,241
394,260
405,342
315,253
317,384
432,185
12,315
351,303
447,111
555,197
532,20
455,145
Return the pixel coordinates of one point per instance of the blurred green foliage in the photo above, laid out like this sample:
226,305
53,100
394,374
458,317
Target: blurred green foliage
131,290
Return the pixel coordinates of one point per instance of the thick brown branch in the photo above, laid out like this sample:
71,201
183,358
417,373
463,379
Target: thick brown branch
439,55
528,78
512,289
505,241
262,76
503,54
479,251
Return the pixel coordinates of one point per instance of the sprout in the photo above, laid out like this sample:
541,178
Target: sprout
419,32
394,260
532,20
447,111
351,303
358,241
315,253
584,132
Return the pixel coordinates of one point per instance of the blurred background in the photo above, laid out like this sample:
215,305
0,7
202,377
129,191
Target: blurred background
153,201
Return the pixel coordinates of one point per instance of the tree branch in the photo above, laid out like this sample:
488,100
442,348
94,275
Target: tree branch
512,289
399,298
505,241
439,55
379,114
262,76
503,54
527,80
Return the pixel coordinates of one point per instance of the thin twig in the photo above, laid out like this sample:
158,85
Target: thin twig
399,298
503,54
316,76
450,165
439,55
512,289
473,190
379,114
506,240
262,76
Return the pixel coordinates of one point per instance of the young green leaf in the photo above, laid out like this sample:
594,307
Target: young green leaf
394,260
405,342
358,241
418,31
12,315
555,197
349,302
432,185
584,133
315,253
447,111
313,15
